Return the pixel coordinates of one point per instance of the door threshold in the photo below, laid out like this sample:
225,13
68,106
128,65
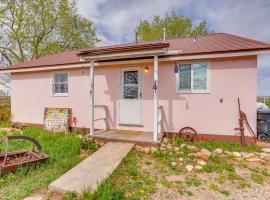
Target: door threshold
134,125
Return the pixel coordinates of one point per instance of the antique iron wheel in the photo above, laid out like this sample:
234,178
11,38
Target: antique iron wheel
188,134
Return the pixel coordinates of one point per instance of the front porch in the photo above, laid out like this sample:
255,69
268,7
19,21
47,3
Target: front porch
128,98
138,137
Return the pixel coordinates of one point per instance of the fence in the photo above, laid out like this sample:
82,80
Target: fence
263,99
5,108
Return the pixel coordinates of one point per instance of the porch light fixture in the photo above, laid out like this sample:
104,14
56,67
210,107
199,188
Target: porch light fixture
146,70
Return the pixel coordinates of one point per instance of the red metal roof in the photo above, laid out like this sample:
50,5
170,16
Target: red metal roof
213,43
216,43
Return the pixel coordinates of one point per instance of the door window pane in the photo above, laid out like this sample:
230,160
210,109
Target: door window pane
131,77
185,77
130,92
200,76
130,84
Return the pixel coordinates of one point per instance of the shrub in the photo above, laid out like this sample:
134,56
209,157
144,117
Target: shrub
5,109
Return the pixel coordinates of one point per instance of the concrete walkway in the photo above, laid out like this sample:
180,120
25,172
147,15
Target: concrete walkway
93,170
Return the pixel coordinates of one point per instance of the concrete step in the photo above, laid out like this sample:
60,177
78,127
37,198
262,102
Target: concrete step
93,170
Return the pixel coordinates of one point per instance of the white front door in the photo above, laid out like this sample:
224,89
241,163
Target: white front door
130,102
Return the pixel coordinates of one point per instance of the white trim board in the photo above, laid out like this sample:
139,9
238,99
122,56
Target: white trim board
125,55
166,59
218,55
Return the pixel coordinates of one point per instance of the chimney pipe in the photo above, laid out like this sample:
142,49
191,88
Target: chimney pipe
164,34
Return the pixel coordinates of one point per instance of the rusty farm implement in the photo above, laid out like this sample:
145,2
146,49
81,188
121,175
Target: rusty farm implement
11,161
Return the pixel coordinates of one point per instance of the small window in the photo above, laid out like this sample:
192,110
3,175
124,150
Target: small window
193,78
60,84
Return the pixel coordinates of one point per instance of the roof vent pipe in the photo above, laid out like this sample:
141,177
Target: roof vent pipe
164,34
136,37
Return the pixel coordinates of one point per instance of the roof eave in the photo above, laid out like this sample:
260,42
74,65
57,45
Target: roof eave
163,58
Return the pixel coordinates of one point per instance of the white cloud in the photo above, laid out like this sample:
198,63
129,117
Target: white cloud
116,20
104,41
243,17
263,77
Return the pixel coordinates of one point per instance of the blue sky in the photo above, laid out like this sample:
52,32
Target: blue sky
116,20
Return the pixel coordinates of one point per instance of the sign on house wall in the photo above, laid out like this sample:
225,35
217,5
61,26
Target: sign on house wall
57,119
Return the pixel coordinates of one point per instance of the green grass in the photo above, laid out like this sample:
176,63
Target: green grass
193,182
227,146
212,145
128,180
105,191
63,151
5,123
216,188
244,185
232,176
218,164
225,192
257,178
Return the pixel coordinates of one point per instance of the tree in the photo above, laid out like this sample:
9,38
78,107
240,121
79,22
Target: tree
30,29
176,26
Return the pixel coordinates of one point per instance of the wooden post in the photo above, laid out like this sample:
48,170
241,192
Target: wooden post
92,104
155,100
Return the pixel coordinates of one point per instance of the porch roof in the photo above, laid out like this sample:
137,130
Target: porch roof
123,48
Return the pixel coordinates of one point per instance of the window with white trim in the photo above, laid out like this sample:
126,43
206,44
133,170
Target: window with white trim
60,84
193,78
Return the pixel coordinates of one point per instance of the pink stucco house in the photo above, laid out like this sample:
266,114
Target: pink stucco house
148,88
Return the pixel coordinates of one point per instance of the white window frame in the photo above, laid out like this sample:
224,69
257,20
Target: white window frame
192,90
60,94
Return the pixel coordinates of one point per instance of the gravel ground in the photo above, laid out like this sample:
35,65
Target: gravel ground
256,192
204,192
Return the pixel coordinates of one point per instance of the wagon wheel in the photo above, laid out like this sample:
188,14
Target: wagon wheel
263,138
188,133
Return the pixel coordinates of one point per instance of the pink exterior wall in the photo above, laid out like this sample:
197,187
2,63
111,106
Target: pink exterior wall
230,79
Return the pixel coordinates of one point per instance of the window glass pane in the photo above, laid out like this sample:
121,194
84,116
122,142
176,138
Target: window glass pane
60,88
200,76
131,77
185,77
130,92
60,77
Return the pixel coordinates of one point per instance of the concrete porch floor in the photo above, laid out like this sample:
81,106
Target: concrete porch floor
137,137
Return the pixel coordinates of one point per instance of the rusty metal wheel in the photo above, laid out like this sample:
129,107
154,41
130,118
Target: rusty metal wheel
263,138
188,134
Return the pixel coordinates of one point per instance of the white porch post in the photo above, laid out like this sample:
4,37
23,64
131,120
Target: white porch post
155,100
92,104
